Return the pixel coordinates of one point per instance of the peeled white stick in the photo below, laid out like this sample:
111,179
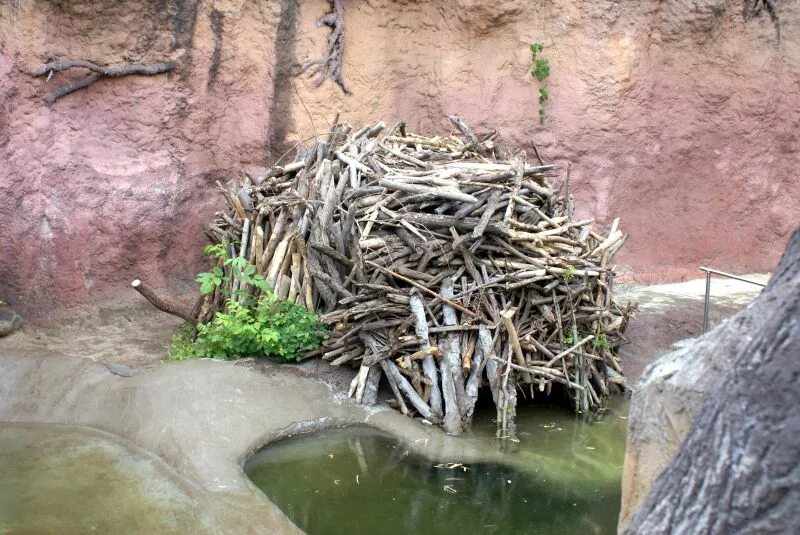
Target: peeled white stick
428,363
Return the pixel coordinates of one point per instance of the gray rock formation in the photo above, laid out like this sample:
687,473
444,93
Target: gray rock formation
122,370
732,394
9,322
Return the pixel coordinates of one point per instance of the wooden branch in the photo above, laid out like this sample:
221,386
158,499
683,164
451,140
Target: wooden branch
428,362
569,350
452,355
405,387
513,339
474,382
162,304
441,192
112,70
450,367
393,385
98,72
422,288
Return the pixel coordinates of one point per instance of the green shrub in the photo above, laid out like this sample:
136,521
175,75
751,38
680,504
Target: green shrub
543,95
182,347
272,328
240,270
264,327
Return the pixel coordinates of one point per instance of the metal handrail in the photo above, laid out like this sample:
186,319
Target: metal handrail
709,272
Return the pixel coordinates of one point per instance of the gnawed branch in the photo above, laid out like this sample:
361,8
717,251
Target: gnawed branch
483,148
330,64
162,304
96,72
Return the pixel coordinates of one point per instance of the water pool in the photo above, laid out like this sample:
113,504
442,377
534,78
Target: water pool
64,479
563,476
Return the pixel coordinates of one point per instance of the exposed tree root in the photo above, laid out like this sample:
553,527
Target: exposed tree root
97,72
330,64
754,8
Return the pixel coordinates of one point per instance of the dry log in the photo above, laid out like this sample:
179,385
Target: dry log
405,387
162,304
428,363
451,357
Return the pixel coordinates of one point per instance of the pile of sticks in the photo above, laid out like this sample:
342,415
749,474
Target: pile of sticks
440,263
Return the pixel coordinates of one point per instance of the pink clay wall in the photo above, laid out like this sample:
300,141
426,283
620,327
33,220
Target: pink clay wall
677,116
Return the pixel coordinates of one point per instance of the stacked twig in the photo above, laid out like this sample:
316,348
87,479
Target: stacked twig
439,264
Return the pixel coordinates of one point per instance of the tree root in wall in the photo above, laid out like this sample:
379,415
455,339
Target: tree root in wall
330,64
96,73
754,8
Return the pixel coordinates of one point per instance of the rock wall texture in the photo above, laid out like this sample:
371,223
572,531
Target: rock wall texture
738,471
669,397
680,117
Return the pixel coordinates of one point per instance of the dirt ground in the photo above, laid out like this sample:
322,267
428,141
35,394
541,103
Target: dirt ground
668,313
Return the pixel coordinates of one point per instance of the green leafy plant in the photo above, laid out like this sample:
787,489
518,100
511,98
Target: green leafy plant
569,273
600,341
272,328
267,326
540,71
182,347
543,95
238,269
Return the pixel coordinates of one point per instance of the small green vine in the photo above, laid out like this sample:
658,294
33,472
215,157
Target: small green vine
569,273
540,71
600,341
568,340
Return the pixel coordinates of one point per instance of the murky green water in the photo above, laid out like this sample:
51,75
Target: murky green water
62,479
563,476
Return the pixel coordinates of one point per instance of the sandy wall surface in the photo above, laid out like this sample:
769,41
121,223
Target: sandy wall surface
679,117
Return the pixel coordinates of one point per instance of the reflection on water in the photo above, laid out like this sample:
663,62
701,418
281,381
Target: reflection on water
61,479
563,476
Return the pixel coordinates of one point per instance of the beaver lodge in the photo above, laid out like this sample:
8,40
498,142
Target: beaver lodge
442,264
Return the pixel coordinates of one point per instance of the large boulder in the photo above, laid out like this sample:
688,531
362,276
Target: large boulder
731,392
